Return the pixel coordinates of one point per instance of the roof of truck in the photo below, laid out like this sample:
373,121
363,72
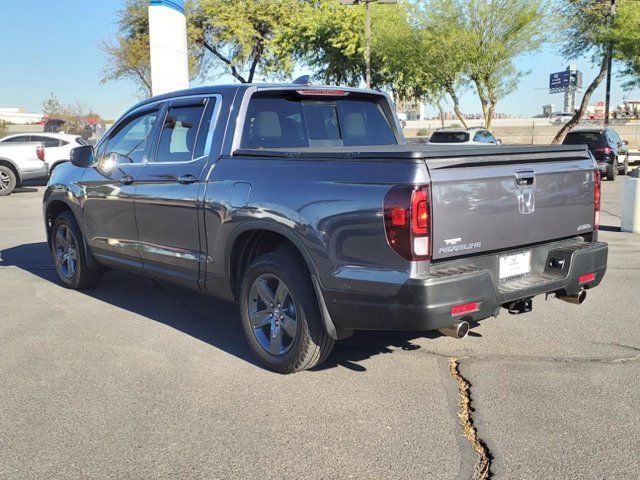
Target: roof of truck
231,89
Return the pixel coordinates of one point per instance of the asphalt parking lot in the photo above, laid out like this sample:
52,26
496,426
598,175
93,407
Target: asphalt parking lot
137,379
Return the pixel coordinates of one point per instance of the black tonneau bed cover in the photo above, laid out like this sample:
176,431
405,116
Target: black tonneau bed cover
438,156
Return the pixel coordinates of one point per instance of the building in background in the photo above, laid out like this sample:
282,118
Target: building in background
19,116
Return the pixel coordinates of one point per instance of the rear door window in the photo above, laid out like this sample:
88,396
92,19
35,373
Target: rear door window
289,122
179,132
48,142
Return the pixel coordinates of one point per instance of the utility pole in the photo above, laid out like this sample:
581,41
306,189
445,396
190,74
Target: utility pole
607,98
367,43
367,33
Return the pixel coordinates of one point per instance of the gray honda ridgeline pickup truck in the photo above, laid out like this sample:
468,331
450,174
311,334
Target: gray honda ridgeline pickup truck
305,205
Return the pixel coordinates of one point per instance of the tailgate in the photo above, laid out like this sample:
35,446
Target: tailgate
503,201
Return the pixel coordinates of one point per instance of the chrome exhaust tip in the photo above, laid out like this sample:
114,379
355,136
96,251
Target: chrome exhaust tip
577,299
457,330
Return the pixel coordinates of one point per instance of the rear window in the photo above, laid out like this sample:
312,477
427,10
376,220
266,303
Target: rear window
590,138
449,137
289,122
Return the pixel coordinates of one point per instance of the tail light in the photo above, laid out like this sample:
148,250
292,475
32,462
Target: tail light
40,152
407,221
597,185
604,150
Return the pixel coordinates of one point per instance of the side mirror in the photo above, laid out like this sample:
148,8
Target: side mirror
626,142
82,156
498,141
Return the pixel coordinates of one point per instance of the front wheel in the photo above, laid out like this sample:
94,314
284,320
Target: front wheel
8,181
625,166
69,255
280,314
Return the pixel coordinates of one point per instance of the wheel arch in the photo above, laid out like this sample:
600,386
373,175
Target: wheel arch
12,166
257,238
54,208
56,164
253,239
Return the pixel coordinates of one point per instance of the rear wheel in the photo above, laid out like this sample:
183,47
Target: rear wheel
69,255
280,314
8,180
612,171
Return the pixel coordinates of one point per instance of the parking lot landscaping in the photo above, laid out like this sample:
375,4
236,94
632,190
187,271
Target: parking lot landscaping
139,379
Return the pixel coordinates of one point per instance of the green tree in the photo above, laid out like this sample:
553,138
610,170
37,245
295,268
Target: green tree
244,35
329,38
494,33
75,114
442,52
588,28
3,128
626,39
127,55
52,107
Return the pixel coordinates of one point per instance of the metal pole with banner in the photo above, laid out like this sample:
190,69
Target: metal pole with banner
168,46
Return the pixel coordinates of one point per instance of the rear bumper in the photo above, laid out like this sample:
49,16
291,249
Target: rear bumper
425,303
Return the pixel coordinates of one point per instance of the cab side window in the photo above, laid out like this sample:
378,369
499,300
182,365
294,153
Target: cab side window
48,142
20,139
483,136
131,138
179,133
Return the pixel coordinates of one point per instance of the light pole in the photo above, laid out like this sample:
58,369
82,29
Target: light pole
607,97
367,33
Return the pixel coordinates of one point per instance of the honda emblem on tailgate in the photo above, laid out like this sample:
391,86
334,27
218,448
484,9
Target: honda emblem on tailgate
525,181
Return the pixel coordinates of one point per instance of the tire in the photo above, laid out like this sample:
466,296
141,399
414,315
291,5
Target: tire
69,254
625,166
304,342
8,181
612,172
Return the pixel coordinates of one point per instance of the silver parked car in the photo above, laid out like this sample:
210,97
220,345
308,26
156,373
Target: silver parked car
464,136
58,145
19,162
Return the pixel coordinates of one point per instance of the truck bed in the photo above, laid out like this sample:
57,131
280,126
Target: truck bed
433,154
477,204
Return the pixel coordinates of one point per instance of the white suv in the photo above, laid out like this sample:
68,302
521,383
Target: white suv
58,145
462,136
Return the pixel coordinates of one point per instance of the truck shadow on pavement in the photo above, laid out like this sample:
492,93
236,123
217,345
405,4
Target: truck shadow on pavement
210,320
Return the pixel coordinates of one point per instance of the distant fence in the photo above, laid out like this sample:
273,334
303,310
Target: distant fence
534,133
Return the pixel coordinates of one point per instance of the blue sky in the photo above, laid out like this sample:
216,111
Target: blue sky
52,46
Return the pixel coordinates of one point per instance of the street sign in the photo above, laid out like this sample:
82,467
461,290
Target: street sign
565,81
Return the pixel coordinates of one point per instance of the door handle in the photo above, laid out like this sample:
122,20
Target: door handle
126,180
187,179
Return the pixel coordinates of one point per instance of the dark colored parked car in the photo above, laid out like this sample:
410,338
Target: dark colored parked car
54,125
609,150
306,206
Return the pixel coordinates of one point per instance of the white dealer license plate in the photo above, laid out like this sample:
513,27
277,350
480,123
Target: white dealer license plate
514,265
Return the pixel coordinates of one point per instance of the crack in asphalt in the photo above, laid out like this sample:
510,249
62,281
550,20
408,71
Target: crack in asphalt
483,457
542,358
